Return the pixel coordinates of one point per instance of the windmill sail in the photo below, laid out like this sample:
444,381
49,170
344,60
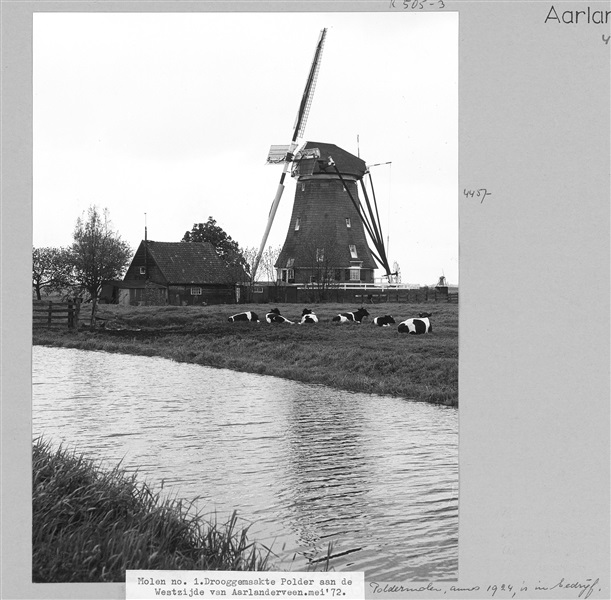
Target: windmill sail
371,222
299,127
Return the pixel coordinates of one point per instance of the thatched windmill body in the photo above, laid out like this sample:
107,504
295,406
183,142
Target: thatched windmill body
326,237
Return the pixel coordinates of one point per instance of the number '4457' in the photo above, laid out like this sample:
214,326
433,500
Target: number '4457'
479,193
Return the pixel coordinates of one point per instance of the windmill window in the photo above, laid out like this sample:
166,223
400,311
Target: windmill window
290,263
303,187
297,223
142,270
348,223
353,252
320,254
196,291
355,274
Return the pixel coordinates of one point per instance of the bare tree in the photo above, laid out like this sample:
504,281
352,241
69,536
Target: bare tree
268,261
266,270
98,253
51,270
324,264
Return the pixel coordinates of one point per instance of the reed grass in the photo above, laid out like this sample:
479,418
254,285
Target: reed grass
91,524
359,358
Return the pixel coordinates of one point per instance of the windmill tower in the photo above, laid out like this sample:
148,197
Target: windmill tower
326,237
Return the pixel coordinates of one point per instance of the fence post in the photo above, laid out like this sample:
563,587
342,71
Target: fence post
50,313
77,312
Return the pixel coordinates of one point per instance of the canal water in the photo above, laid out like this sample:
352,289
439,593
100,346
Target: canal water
305,465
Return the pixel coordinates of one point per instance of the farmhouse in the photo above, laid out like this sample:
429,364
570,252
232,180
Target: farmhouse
179,273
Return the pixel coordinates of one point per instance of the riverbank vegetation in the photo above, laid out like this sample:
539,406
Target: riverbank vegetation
91,524
360,358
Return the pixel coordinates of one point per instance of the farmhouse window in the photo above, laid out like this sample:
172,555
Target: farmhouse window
286,275
196,291
348,223
320,254
355,274
258,289
142,270
297,223
353,253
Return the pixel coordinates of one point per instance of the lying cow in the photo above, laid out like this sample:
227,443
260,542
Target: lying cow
274,316
308,316
245,316
356,316
383,321
415,326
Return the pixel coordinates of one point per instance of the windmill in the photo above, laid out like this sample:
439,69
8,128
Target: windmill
326,234
285,154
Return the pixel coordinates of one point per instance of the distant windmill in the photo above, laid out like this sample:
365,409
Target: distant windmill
328,221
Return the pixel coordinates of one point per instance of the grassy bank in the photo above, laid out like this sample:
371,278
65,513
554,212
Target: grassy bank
363,358
90,525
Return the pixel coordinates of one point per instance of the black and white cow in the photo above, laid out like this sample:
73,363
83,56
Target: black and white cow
245,316
308,316
416,326
384,321
356,316
274,316
422,315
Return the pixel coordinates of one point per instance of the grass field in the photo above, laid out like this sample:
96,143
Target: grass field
363,358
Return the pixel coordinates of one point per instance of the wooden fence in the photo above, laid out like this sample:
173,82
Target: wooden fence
50,314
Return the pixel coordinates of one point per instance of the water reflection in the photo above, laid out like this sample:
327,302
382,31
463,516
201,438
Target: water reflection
376,476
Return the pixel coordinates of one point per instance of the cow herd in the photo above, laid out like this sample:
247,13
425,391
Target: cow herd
415,325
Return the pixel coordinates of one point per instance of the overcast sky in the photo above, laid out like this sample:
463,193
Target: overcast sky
172,115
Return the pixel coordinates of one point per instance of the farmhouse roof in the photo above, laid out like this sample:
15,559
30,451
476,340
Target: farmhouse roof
189,262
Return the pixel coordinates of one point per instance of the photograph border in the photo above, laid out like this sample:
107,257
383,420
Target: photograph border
534,132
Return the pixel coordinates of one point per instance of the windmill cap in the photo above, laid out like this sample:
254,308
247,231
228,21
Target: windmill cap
346,163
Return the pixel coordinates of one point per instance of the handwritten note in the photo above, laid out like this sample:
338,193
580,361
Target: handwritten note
477,193
417,4
563,588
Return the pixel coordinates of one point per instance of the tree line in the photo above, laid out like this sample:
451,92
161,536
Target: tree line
98,254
